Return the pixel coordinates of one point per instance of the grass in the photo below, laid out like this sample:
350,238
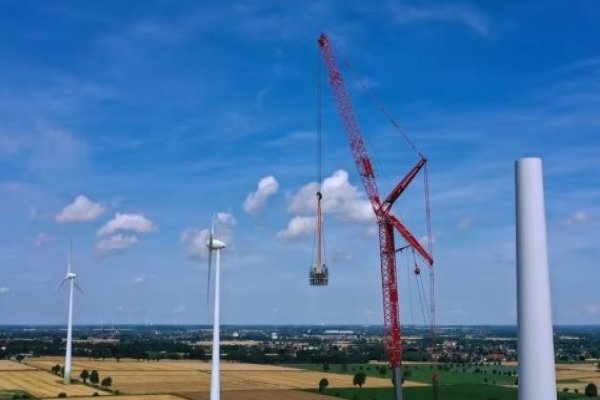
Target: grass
14,394
423,372
452,392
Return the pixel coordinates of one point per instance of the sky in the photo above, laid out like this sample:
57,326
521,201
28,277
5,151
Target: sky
126,125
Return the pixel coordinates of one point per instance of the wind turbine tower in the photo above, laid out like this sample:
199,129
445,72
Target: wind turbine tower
215,377
70,277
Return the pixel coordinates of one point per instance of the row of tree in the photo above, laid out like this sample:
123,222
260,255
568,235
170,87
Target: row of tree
93,376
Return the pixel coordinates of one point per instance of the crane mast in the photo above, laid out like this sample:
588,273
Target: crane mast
387,222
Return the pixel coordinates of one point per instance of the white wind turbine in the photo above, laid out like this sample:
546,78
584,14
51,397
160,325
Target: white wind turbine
70,276
215,245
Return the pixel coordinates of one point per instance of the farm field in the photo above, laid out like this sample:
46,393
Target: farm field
451,392
258,395
146,377
41,384
576,376
422,373
139,397
8,365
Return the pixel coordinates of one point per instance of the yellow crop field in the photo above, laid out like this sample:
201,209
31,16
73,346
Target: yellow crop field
140,397
8,365
146,377
42,384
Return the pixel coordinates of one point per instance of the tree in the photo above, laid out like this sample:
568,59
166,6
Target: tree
323,383
106,382
382,370
359,379
94,377
325,367
55,369
84,375
591,390
62,371
20,357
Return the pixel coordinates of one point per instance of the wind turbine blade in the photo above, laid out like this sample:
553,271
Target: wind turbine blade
70,255
77,287
209,268
62,283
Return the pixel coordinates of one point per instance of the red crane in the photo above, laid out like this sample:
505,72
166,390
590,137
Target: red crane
386,220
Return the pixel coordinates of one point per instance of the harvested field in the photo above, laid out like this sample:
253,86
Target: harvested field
139,397
257,395
42,384
8,365
140,366
145,377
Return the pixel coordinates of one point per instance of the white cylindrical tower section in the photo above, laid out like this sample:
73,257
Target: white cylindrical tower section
537,378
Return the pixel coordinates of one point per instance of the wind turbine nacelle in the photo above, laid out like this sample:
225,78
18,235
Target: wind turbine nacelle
71,275
215,244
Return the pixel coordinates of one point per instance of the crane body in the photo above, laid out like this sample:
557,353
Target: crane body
387,222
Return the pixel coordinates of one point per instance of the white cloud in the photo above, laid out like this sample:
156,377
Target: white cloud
224,219
256,201
127,222
195,241
82,209
4,290
456,14
339,198
297,228
178,310
578,217
116,243
138,280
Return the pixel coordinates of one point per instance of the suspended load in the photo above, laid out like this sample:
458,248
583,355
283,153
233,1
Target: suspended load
319,275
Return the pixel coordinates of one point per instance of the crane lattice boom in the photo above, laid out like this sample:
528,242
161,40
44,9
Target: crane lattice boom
386,221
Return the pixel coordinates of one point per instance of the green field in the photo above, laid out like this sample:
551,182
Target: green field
451,392
449,374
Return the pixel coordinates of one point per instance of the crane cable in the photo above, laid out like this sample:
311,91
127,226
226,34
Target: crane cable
382,108
319,237
401,130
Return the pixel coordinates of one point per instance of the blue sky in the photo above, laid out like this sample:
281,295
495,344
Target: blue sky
126,125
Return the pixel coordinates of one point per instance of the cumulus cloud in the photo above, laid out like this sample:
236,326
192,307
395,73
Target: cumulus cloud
82,209
194,240
297,228
339,198
127,222
4,290
224,219
256,201
116,243
578,217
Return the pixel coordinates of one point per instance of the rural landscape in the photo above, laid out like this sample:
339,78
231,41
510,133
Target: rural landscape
309,200
269,362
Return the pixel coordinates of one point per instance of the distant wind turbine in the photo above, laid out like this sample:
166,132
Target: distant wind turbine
70,277
215,245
